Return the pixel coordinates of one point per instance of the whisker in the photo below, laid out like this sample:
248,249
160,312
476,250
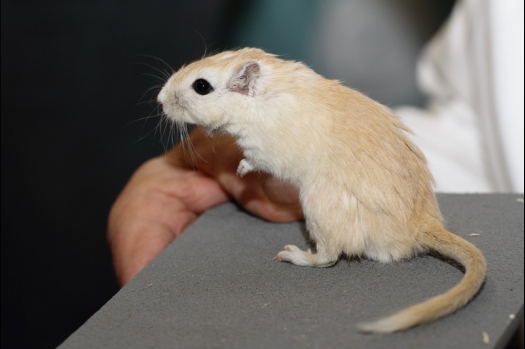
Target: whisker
203,40
170,132
152,99
149,101
172,136
163,73
155,76
162,61
146,118
147,134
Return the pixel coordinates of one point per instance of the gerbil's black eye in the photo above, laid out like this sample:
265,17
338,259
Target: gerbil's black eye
202,87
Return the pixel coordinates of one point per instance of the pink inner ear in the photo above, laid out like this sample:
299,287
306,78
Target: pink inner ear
239,89
243,80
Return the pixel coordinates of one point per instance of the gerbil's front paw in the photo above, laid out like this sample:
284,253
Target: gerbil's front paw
244,167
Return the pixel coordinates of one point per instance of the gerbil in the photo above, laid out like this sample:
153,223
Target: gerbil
365,188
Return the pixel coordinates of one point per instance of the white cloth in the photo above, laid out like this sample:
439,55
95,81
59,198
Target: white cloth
473,71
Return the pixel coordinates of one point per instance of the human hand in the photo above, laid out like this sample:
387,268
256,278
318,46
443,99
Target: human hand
167,193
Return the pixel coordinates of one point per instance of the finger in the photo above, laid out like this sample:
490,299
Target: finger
131,253
141,226
260,194
197,191
282,193
155,207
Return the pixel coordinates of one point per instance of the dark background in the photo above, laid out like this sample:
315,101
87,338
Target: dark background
75,127
72,80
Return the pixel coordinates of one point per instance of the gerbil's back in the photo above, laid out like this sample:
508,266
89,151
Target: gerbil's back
381,166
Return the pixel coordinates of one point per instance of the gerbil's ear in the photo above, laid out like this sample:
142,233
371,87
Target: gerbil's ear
244,79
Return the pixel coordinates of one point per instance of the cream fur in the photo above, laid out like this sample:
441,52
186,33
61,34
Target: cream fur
364,186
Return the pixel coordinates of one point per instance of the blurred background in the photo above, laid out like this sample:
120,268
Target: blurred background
75,89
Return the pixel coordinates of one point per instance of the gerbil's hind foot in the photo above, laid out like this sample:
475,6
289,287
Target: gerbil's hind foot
295,255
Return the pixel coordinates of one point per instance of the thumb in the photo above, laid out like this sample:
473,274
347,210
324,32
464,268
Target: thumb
263,195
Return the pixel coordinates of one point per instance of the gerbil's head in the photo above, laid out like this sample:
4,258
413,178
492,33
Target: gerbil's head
209,91
232,90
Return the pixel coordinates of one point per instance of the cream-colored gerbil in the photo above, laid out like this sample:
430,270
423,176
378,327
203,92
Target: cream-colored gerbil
364,187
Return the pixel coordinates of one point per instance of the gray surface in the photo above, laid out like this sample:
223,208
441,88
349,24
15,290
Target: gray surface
216,286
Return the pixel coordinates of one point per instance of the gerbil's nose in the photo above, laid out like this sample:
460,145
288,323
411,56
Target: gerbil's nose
160,98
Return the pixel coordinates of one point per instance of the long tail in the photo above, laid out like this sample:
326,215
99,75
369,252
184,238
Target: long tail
451,246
